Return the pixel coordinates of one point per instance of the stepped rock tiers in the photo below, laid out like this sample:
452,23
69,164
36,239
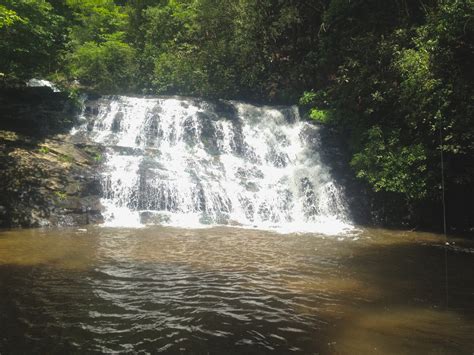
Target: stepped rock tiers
129,161
190,163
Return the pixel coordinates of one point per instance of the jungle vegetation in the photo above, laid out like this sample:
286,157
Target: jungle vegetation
393,77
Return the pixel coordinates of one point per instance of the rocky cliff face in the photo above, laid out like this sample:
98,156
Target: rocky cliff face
46,179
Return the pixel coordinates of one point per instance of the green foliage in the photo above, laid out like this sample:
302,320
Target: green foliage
308,98
107,67
98,157
321,116
61,195
178,72
65,158
96,20
31,38
398,79
99,56
8,17
224,49
44,150
390,166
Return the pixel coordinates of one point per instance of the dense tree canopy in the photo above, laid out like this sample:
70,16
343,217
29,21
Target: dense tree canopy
393,77
31,36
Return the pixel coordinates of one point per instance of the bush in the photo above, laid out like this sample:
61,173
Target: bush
107,67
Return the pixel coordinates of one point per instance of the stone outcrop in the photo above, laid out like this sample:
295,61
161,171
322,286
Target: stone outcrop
46,179
37,111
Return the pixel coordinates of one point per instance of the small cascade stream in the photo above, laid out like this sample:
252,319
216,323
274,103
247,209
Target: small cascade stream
191,163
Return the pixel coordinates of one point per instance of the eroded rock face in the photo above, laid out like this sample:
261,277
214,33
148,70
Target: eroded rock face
45,178
48,183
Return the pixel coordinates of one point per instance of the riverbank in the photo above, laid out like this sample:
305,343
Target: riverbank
47,182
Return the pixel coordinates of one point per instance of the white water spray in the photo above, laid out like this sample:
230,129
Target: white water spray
191,163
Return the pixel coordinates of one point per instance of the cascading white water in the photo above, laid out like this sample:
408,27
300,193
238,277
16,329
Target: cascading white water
191,163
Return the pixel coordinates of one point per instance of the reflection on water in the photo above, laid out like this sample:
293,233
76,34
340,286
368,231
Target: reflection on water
228,290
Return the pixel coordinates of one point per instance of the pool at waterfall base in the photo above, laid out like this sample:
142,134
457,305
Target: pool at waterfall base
231,290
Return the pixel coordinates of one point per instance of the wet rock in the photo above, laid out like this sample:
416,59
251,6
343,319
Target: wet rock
41,188
71,203
73,188
152,218
92,187
117,122
90,126
226,110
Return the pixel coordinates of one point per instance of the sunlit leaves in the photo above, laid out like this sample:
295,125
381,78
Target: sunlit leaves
31,37
107,67
95,20
390,166
8,17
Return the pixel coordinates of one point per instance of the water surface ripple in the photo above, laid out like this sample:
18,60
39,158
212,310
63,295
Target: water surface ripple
228,290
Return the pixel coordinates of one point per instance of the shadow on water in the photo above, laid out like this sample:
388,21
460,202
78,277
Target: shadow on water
226,290
408,312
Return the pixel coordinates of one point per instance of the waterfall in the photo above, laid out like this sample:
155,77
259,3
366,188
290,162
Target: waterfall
191,163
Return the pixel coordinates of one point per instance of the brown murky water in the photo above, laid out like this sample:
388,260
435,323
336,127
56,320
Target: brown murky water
226,290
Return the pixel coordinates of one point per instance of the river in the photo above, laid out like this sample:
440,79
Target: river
229,290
